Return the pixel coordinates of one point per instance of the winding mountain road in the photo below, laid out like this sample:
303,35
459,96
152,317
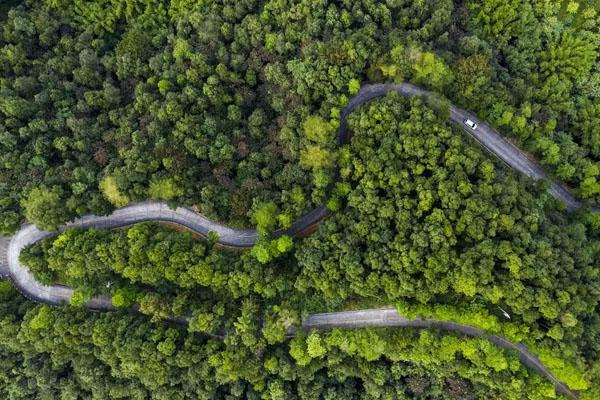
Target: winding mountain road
24,281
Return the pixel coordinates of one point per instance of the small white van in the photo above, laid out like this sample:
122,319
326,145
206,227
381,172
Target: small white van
470,124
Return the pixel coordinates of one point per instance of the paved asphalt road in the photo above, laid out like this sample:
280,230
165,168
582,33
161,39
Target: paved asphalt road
490,139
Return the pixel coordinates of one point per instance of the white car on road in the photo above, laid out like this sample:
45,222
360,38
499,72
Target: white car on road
470,124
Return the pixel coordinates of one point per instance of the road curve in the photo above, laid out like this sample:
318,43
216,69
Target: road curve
10,248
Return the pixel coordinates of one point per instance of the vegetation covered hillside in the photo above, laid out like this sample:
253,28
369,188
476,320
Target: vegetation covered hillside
427,223
223,105
232,108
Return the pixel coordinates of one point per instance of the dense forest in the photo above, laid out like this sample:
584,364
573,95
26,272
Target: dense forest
428,223
231,108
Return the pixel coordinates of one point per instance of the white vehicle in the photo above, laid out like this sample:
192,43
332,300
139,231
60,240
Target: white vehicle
470,124
506,315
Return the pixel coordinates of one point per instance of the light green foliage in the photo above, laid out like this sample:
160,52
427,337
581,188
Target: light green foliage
318,130
164,86
265,250
565,371
430,69
124,297
285,219
315,157
589,187
262,252
278,321
570,58
314,347
80,296
284,243
389,71
105,15
299,352
334,204
16,107
42,319
164,189
45,207
265,217
201,322
572,7
181,50
110,190
353,86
